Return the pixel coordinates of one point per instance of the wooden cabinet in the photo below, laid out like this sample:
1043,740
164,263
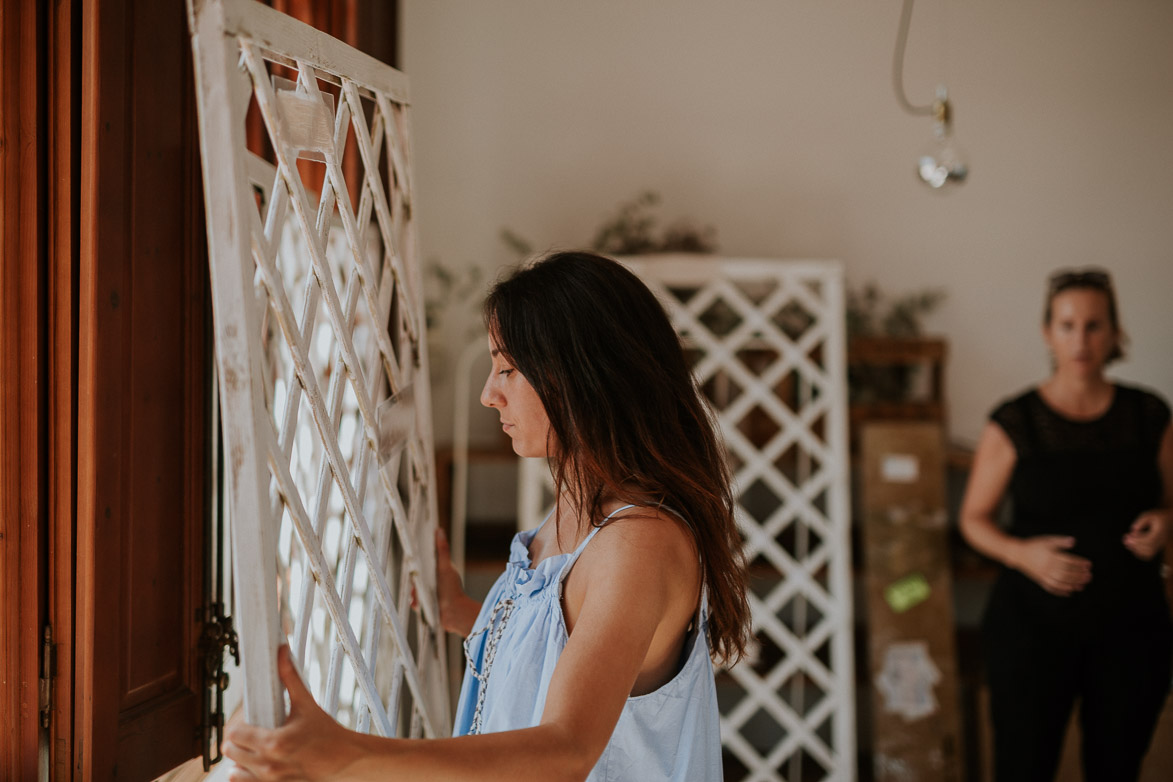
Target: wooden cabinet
895,379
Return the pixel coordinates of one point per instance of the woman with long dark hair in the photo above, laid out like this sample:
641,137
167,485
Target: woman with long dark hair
591,656
1078,613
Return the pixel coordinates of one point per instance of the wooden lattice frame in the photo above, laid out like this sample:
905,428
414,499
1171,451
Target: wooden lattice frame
767,343
322,369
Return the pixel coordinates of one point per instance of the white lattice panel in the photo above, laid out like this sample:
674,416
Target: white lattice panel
766,342
322,367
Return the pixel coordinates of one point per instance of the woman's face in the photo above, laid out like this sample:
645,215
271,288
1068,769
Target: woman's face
523,416
1080,335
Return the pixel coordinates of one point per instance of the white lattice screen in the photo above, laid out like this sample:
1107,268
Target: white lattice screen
322,368
766,343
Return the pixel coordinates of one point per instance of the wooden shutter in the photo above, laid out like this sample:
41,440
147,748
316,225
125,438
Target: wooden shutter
106,375
143,390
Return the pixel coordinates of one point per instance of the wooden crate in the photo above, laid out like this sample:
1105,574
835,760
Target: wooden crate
911,646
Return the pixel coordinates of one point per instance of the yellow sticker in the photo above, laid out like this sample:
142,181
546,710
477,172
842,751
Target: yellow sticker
907,592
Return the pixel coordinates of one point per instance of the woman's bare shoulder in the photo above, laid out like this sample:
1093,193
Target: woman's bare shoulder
651,538
643,563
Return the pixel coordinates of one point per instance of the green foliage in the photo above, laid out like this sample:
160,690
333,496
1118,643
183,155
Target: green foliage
514,242
635,230
444,287
871,314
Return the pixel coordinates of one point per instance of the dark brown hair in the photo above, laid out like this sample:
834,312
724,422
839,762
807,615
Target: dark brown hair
1088,279
626,417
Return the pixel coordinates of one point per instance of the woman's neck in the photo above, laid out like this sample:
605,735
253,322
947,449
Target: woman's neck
570,525
1078,396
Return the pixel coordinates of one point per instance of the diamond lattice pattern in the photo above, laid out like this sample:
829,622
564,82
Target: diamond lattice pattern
766,342
337,361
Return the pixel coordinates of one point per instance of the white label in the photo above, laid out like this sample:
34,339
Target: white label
906,680
899,468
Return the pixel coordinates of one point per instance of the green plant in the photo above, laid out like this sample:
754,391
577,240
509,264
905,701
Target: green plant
871,314
444,287
634,230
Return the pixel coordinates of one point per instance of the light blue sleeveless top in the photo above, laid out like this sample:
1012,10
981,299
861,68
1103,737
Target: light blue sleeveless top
669,735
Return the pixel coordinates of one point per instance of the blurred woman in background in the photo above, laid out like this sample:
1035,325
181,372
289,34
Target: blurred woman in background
1078,613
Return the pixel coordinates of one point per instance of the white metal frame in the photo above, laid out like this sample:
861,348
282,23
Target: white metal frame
802,600
322,366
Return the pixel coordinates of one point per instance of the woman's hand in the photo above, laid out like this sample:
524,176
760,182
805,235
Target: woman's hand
1149,533
458,611
1044,560
310,745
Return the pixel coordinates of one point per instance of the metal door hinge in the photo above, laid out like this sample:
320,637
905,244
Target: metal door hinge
48,671
218,635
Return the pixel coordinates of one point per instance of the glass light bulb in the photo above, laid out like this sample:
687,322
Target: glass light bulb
942,161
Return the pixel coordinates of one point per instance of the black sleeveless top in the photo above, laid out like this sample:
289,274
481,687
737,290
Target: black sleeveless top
1089,479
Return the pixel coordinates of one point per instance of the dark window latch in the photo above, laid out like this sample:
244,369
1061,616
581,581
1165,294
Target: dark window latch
218,634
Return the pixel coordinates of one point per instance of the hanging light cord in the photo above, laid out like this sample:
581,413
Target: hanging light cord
898,65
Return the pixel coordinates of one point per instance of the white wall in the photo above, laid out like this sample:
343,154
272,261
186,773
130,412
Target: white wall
775,121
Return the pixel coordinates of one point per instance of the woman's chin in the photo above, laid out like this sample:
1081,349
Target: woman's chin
1085,368
528,452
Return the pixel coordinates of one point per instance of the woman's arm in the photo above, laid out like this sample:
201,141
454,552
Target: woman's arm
631,586
312,746
1150,532
458,611
1043,559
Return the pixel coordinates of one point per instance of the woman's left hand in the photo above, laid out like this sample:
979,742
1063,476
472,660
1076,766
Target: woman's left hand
310,745
1148,534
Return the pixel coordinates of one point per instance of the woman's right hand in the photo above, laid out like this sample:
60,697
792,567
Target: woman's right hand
1046,561
310,745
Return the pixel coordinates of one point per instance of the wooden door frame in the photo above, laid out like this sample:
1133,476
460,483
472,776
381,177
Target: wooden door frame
64,99
38,201
23,471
